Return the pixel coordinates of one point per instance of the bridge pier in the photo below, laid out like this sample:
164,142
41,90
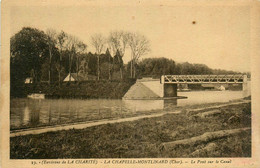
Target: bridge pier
244,85
169,90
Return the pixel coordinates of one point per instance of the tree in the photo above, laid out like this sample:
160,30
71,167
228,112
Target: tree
98,41
83,67
156,67
105,65
80,48
118,41
109,63
29,49
192,69
52,41
118,63
139,46
73,47
62,37
92,63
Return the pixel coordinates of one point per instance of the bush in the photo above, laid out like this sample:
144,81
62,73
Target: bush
84,89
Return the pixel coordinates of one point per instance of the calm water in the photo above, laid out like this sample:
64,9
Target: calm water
32,113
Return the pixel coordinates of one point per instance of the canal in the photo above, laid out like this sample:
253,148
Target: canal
27,113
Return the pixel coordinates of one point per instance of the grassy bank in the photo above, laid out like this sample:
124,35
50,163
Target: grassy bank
82,90
143,138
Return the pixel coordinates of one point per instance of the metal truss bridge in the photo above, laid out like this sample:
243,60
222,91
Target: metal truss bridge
199,79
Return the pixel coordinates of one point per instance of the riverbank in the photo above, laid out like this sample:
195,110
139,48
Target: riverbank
145,137
81,90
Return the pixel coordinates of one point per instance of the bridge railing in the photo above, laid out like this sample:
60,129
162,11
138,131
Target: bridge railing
204,78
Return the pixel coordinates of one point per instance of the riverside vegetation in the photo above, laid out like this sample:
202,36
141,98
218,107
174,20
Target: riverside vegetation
145,138
81,90
48,57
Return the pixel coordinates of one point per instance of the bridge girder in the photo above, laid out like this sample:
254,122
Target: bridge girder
199,79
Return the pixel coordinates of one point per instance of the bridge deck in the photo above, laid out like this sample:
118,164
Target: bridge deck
198,79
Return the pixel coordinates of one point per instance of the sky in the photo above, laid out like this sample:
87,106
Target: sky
218,36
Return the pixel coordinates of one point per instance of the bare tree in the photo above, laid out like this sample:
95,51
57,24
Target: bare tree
98,41
118,41
52,41
62,38
139,46
74,48
71,47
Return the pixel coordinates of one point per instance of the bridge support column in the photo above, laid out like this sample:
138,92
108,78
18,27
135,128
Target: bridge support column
170,90
245,83
246,88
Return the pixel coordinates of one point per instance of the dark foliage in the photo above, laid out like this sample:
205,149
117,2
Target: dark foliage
29,49
85,89
155,67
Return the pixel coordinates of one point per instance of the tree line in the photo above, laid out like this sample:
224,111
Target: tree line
155,67
50,56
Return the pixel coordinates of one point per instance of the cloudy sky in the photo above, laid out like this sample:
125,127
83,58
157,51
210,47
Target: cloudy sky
218,36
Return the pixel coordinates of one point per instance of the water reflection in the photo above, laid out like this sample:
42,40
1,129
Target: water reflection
170,104
144,105
35,113
32,113
26,117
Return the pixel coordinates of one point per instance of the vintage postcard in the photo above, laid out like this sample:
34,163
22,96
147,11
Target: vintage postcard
98,83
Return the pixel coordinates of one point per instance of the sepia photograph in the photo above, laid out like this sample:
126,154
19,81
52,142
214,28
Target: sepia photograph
140,80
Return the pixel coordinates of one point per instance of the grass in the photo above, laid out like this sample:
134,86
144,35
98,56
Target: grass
141,138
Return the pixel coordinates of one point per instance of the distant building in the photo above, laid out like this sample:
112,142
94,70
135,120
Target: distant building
28,80
222,88
80,77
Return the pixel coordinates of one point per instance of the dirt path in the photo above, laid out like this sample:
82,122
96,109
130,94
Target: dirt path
45,129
